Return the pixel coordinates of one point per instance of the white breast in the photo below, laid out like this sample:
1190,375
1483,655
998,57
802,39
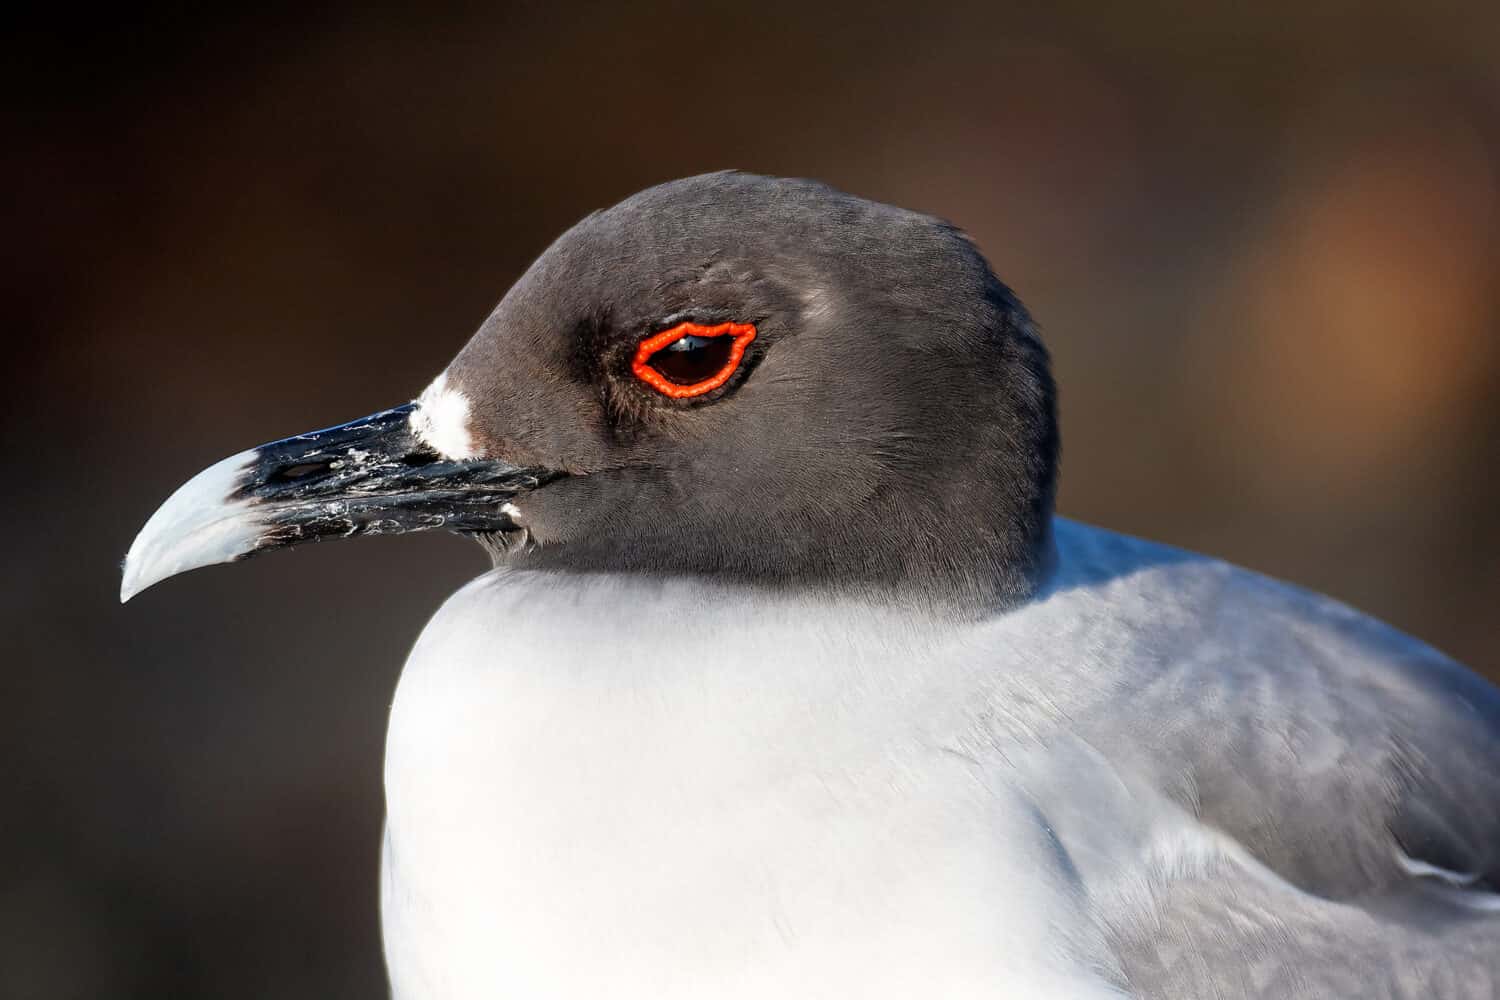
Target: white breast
608,789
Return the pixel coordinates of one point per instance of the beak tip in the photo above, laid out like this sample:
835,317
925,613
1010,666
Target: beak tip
130,580
198,525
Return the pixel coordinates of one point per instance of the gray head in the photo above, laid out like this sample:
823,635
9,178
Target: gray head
730,376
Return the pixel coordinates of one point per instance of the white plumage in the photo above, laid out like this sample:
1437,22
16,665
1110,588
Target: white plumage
604,786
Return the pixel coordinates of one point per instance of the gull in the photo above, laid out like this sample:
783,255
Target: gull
788,681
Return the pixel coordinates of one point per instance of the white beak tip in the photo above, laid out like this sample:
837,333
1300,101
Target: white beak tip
129,585
201,524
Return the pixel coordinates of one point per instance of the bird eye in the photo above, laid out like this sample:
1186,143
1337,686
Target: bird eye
691,359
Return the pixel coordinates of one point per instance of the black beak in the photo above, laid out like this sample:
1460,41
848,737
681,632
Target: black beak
371,476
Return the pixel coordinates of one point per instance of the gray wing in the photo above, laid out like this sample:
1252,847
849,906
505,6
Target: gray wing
1343,754
1357,764
1237,937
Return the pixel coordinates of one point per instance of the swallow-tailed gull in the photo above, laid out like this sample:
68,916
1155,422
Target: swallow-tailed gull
787,681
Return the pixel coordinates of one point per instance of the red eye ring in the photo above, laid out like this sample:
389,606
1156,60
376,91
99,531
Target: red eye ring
742,333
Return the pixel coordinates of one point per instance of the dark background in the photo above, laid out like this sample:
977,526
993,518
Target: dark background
1261,239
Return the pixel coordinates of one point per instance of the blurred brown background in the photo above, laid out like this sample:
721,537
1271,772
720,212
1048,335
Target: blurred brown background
1262,241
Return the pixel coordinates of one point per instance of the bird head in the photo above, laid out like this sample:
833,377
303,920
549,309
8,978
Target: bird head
728,376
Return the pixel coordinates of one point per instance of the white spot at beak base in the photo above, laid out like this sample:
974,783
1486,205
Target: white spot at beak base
441,421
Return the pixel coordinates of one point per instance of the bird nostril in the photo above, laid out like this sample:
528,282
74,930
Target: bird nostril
303,470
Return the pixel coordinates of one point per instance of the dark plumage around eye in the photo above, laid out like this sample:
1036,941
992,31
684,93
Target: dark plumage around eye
690,359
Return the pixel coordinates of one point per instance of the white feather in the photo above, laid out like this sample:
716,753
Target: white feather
601,786
441,420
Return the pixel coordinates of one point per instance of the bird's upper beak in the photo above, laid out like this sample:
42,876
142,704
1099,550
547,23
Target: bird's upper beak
368,477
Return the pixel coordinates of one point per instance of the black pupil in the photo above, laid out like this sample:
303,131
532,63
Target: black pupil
690,359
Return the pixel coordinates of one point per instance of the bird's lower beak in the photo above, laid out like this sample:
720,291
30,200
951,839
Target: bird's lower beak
370,477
